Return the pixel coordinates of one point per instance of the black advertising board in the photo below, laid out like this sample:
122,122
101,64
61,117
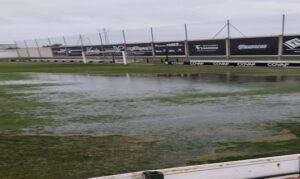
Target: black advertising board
115,50
67,51
141,49
108,50
291,45
254,46
92,50
169,48
207,47
59,51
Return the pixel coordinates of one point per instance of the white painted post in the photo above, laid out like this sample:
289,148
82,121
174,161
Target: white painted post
186,43
26,47
124,57
152,42
82,50
228,41
124,53
280,40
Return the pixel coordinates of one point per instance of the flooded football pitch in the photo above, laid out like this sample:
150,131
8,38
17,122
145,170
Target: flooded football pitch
183,117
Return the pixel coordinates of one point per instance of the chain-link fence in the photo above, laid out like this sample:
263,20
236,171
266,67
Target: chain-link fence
156,41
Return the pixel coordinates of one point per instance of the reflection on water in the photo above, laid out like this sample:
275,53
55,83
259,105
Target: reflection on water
120,104
130,86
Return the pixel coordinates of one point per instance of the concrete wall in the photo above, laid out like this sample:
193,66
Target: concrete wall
30,52
35,52
8,53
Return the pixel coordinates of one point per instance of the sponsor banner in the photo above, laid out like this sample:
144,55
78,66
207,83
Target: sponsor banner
254,46
92,50
141,49
108,50
291,45
245,64
115,50
59,51
207,47
169,48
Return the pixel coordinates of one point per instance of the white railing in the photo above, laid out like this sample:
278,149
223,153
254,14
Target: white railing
273,167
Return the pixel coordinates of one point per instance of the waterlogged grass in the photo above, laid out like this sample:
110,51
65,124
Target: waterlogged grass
98,118
13,76
17,111
285,141
6,67
193,97
41,156
63,157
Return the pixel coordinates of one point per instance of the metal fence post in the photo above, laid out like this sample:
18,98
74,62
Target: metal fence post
186,44
82,49
280,39
17,50
49,42
26,48
38,48
228,41
125,46
152,42
101,42
65,44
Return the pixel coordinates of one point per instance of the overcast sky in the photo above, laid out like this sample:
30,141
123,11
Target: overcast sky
28,19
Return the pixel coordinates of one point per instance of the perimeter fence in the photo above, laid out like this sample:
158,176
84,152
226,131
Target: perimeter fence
269,38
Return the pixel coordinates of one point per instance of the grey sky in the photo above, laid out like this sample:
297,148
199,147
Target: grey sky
28,19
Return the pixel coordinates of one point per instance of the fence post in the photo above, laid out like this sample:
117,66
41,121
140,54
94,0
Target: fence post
82,50
49,42
101,42
17,50
186,43
228,41
27,50
125,46
280,39
152,42
65,44
38,48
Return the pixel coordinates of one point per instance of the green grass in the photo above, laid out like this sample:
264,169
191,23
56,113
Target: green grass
63,157
287,141
18,112
13,76
6,67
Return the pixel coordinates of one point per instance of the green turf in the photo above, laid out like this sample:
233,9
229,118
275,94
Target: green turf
286,141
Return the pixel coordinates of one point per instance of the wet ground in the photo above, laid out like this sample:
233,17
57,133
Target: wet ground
187,112
159,106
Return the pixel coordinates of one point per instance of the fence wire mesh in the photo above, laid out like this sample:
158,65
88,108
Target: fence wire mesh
115,39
